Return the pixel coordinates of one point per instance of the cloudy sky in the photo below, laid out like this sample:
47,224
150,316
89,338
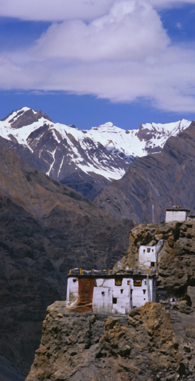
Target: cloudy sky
91,61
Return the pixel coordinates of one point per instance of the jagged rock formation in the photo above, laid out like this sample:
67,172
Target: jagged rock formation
88,347
161,179
45,229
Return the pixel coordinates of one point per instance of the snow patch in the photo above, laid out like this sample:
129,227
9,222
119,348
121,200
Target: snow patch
51,166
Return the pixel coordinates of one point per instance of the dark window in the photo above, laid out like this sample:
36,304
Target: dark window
74,280
144,291
103,293
128,282
152,264
114,300
118,281
145,282
144,251
137,282
148,250
121,291
152,250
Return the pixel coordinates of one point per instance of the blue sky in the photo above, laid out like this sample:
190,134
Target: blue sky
128,62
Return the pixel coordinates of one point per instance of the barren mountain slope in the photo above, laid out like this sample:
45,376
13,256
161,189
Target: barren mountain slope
161,179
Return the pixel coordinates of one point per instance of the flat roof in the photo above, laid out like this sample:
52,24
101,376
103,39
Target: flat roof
177,210
139,274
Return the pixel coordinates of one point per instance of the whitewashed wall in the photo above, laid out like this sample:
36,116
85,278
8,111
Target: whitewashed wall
178,215
72,289
140,293
102,299
148,254
123,296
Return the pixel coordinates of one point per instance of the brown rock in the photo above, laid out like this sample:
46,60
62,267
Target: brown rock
190,331
118,349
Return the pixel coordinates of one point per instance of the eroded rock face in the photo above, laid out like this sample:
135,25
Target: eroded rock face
89,347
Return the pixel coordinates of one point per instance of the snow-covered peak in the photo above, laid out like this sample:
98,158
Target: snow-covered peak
106,125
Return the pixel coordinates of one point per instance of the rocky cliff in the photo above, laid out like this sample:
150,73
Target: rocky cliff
88,347
176,260
161,179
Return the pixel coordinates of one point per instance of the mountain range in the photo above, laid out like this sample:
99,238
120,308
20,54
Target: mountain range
86,160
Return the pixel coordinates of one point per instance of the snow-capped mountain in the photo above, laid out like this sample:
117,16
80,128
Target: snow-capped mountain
62,152
150,138
84,160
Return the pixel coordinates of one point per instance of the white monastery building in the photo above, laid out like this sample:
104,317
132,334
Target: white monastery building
107,293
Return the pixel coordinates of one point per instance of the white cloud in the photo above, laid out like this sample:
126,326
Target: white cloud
54,10
59,10
132,30
123,54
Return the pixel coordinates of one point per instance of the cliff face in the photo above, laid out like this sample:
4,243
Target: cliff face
176,260
88,347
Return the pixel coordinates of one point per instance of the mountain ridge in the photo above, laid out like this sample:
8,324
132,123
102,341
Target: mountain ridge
85,160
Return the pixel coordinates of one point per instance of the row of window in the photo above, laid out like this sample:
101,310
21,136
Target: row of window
148,250
103,292
118,282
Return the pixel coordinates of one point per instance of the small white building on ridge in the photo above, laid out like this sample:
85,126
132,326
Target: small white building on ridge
176,214
148,255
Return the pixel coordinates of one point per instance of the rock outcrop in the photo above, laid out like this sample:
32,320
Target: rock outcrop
176,260
89,347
